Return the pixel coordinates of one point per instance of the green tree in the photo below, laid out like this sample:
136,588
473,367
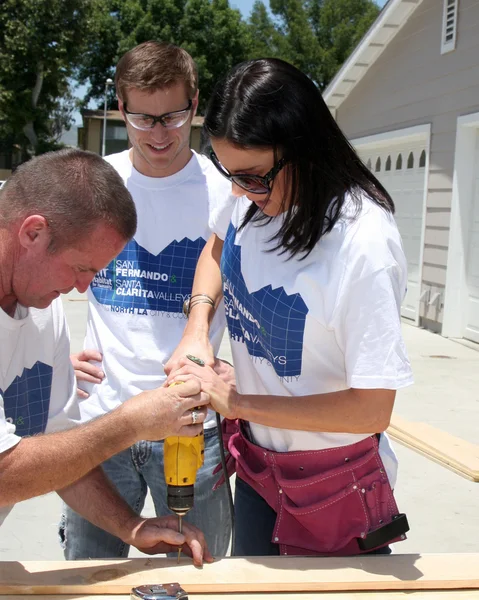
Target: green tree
317,36
267,39
40,44
217,38
339,26
304,50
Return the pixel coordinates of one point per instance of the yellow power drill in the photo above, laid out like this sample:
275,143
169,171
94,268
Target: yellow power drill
182,457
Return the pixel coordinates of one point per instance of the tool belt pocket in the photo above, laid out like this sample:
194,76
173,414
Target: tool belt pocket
326,500
335,508
252,467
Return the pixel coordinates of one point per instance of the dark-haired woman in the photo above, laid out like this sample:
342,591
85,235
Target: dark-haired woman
313,274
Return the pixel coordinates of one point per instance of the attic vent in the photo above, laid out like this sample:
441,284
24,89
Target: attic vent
449,26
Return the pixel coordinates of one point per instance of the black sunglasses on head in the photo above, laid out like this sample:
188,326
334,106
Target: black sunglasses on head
255,184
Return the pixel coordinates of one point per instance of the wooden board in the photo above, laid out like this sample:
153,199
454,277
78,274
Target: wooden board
452,452
412,595
241,575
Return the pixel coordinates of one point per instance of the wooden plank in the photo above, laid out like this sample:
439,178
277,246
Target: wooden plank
242,575
414,595
452,452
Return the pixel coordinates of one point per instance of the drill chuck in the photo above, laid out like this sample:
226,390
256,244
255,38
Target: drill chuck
180,499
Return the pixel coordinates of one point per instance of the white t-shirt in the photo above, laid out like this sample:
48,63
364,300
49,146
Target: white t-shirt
37,382
326,323
135,314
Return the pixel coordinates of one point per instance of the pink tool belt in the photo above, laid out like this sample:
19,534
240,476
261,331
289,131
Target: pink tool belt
326,501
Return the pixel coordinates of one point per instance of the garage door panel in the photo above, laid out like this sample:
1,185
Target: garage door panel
405,181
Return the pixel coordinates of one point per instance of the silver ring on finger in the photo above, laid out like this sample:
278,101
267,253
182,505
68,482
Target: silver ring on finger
194,417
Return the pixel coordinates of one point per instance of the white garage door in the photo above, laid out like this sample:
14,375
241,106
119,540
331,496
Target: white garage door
400,167
472,263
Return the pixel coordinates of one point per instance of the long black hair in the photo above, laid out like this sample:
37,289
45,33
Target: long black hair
268,103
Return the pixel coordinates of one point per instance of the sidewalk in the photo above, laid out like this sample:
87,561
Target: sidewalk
442,507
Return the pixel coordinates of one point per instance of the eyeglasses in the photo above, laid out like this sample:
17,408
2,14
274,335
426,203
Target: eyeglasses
255,184
170,120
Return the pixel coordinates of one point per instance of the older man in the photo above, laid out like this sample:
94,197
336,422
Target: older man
63,217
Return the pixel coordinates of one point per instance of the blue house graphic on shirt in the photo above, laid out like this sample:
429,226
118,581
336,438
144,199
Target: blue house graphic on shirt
269,321
27,399
139,280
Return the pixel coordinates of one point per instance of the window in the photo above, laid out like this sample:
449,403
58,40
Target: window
449,26
388,164
422,159
116,132
368,164
399,163
410,161
378,165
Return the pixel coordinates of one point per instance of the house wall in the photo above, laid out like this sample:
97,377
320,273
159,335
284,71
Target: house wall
413,84
92,137
195,138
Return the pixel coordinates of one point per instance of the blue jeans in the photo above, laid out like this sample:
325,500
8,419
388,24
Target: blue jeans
254,524
135,470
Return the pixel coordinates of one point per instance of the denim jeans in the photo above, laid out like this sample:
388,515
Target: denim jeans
254,524
133,472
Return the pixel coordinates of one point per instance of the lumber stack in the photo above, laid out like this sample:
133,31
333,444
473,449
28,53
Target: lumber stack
452,452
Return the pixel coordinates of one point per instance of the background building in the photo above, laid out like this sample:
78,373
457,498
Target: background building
408,99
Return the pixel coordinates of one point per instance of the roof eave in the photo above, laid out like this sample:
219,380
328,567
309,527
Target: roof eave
389,22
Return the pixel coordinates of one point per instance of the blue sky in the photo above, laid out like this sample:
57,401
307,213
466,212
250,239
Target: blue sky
244,6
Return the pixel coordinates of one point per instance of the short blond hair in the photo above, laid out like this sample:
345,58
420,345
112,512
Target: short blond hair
153,66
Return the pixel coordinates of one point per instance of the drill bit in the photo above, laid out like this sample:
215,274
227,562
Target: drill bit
180,529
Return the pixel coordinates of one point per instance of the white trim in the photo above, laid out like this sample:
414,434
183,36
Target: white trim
457,292
451,7
367,39
424,216
395,136
389,22
399,136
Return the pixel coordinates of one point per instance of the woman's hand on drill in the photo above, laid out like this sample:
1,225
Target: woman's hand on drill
194,344
166,411
160,535
218,383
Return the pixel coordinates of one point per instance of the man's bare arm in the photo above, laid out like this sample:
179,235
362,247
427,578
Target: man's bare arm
44,463
96,498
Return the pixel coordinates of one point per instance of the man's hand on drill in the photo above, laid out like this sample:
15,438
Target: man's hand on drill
160,535
164,412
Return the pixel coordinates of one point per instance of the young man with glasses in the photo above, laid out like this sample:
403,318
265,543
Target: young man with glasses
135,319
